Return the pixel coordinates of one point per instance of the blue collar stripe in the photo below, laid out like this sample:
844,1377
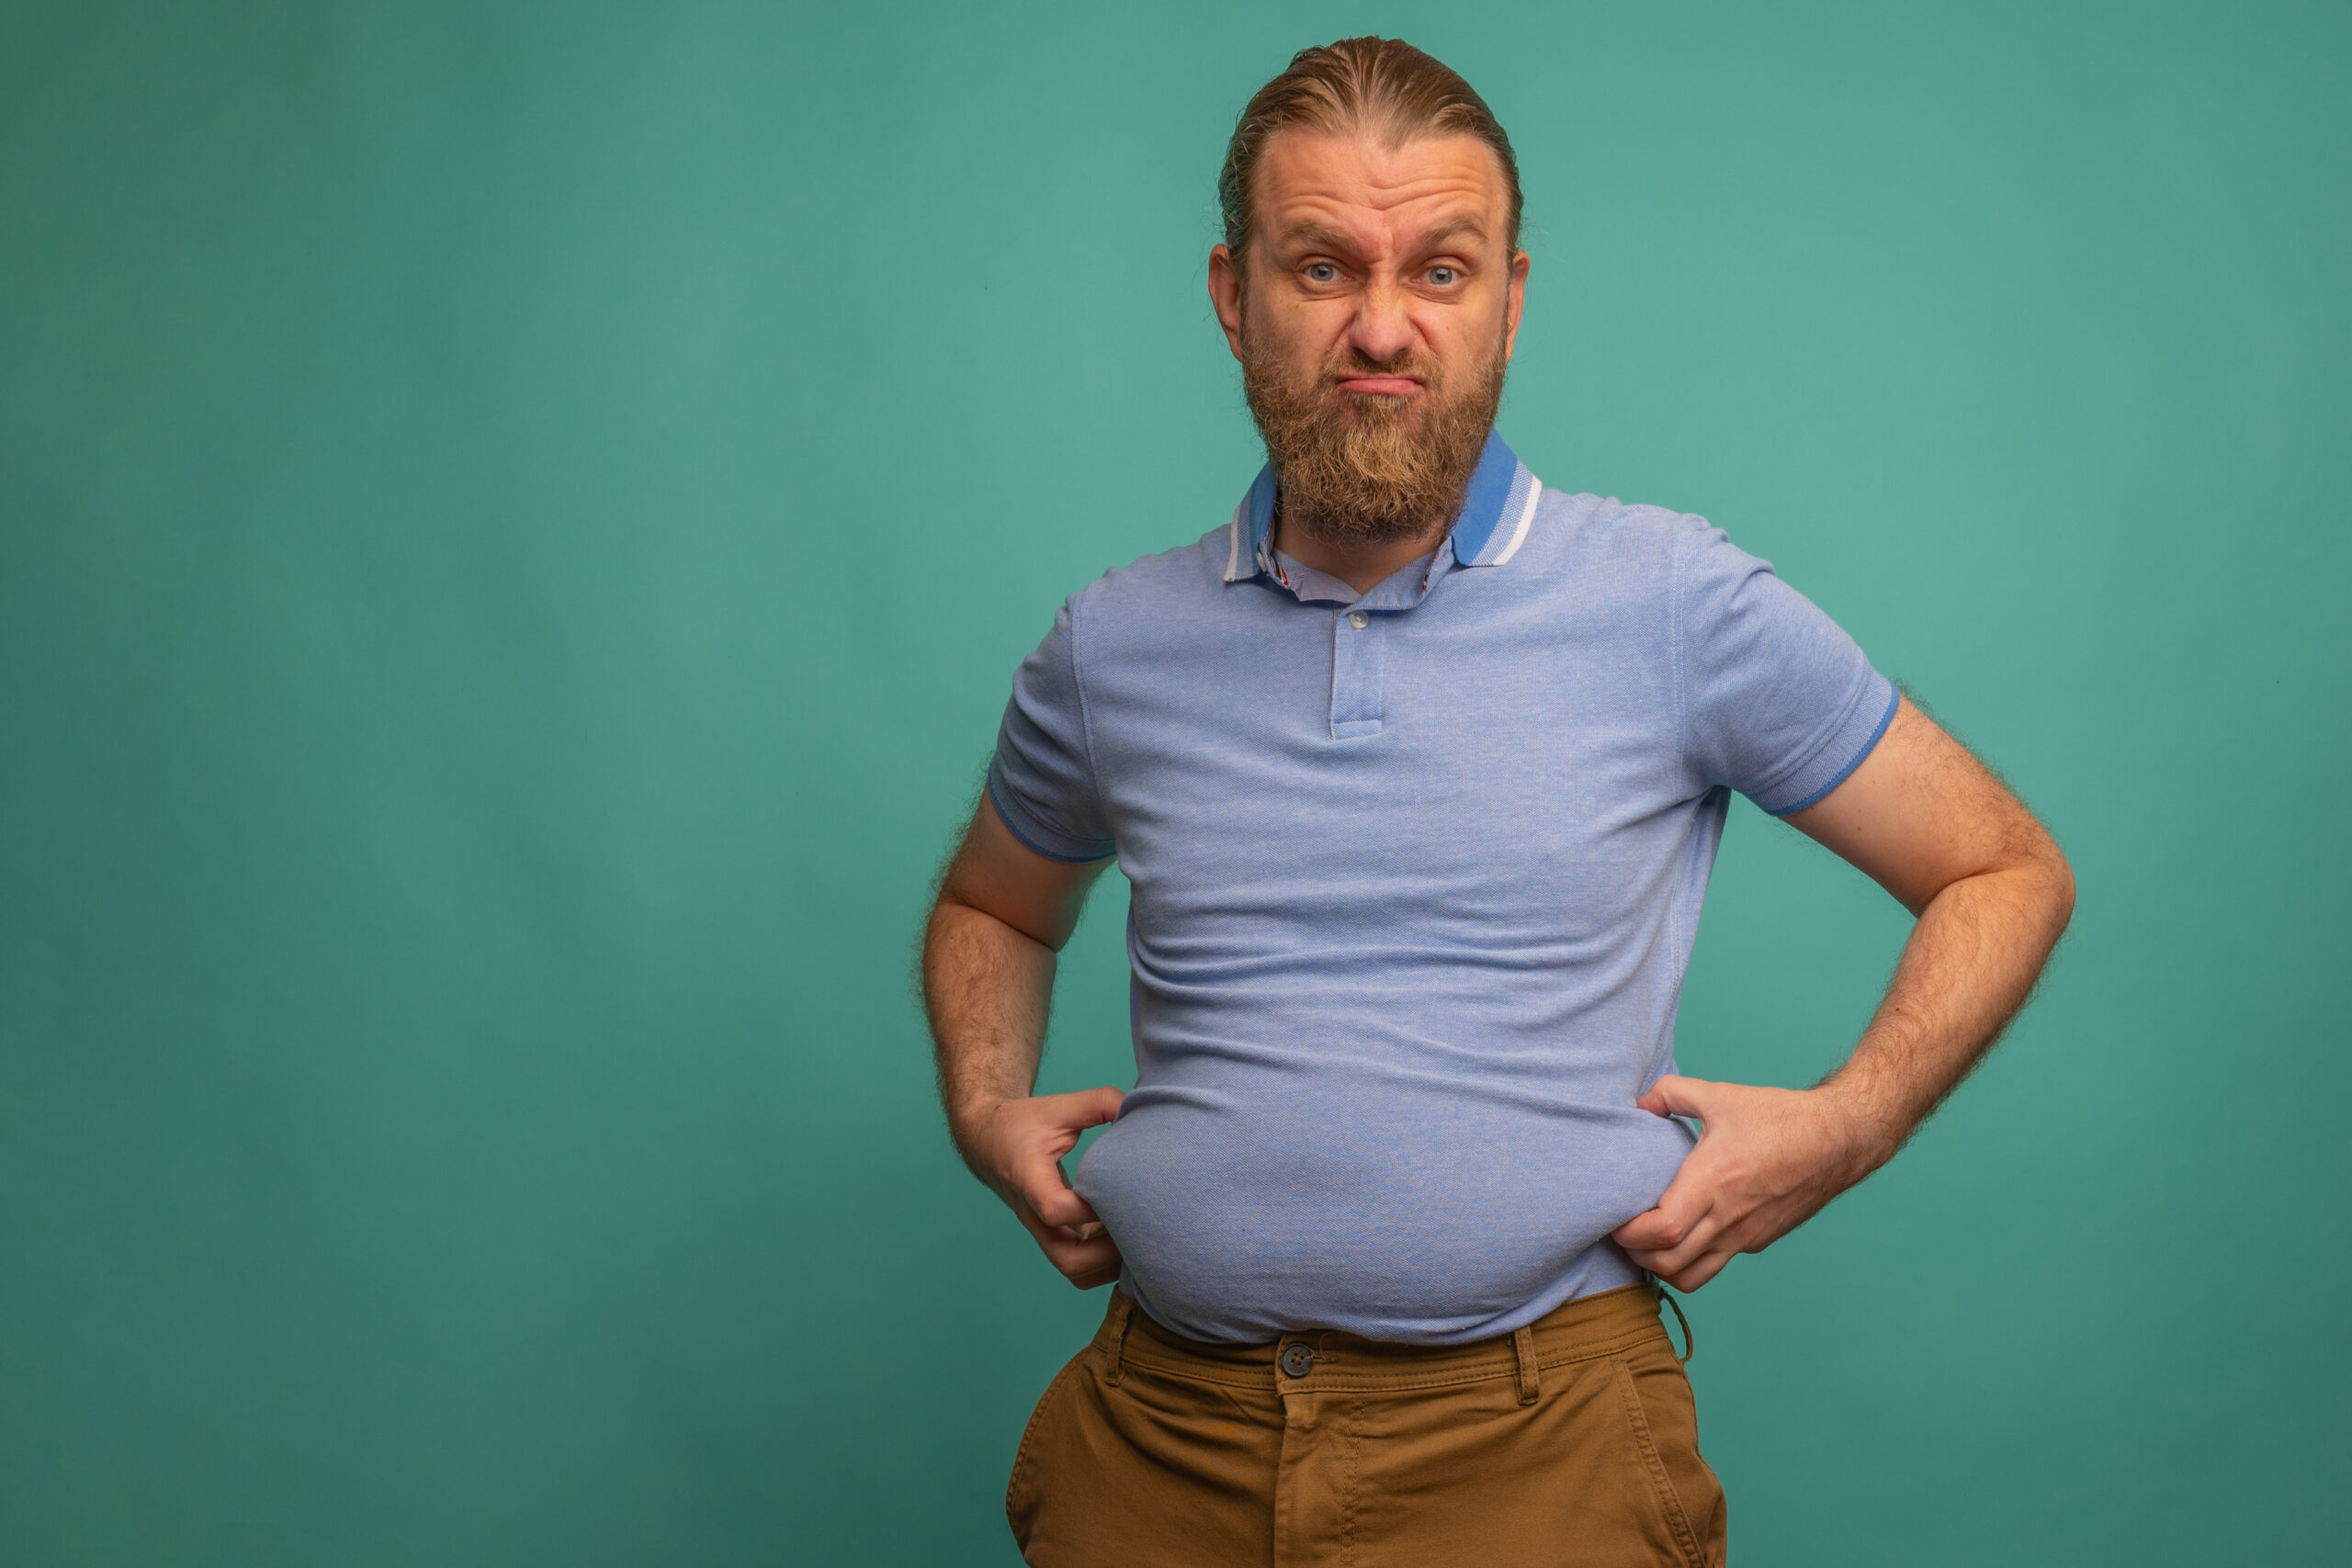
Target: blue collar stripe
1260,505
1490,486
1512,523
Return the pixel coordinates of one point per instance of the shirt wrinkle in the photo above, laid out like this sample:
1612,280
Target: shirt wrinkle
1411,913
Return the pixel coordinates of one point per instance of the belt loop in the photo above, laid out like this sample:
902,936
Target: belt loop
1689,1345
1123,1311
1531,1376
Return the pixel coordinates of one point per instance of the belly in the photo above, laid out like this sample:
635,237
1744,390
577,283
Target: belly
1404,1212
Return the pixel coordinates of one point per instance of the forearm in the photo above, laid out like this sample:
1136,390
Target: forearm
986,988
1991,894
987,991
1970,961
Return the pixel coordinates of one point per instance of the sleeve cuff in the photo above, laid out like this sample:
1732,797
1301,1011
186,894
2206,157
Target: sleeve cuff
1025,827
1854,737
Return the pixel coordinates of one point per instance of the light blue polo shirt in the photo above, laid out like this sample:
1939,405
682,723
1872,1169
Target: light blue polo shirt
1415,880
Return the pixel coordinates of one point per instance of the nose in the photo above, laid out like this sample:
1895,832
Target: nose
1383,328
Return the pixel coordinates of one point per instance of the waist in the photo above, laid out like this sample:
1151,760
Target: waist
1603,1323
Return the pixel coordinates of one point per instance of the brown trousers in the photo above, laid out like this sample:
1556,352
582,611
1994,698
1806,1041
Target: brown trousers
1571,1442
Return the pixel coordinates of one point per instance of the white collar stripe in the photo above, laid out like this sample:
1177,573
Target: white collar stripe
1526,516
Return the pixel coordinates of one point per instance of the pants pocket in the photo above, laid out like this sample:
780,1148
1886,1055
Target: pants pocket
1020,1488
1663,1419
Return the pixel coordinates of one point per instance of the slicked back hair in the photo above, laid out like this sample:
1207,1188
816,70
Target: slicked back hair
1380,85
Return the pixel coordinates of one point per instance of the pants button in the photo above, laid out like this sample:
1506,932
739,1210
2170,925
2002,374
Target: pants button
1297,1359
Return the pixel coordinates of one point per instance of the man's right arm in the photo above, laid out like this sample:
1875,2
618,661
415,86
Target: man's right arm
1003,913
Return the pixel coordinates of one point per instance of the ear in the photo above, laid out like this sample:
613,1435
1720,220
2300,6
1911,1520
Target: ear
1225,294
1514,301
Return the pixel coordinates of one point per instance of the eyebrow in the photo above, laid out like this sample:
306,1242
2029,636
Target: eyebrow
1465,224
1317,235
1332,239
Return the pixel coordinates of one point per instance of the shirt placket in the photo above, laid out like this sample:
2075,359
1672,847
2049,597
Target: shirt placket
1360,628
1359,640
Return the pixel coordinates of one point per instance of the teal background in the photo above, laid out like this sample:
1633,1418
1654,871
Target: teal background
516,523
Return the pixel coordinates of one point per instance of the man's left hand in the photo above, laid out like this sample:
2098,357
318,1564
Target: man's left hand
1767,1160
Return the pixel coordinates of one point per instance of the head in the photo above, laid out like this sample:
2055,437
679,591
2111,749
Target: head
1370,283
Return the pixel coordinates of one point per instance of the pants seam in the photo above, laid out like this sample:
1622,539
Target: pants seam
1349,1476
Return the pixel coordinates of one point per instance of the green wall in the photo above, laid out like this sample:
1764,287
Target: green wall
516,522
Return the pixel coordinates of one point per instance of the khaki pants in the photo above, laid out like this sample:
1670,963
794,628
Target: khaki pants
1572,1442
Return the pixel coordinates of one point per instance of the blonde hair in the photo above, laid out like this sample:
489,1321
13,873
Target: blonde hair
1359,84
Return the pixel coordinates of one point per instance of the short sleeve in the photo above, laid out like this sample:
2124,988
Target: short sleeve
1778,703
1042,777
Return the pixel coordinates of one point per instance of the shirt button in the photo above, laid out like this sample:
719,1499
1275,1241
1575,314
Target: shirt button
1297,1359
1358,619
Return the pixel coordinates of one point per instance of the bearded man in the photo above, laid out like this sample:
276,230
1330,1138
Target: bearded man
1417,768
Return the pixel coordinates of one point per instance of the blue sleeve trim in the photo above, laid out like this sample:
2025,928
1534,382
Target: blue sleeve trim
1894,700
1027,832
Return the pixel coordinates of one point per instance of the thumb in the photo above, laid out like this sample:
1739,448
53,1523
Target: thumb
1677,1095
1092,1107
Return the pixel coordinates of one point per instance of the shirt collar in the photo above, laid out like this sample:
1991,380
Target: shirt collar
1492,525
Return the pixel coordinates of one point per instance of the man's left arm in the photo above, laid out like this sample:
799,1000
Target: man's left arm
1992,894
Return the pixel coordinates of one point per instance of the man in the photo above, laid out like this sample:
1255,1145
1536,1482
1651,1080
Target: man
1417,768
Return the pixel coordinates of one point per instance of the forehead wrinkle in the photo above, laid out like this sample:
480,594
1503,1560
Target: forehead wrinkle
1391,174
1346,204
1334,230
1380,197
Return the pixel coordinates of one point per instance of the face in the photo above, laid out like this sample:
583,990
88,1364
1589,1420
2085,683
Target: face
1373,311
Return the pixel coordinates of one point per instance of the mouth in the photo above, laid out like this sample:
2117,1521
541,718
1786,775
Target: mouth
1380,385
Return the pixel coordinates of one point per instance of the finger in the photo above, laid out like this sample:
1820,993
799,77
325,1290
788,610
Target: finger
1704,1236
1674,1095
1669,1244
1049,1197
1079,1259
1084,1108
1680,1209
1055,1120
1692,1275
1649,1231
1071,1257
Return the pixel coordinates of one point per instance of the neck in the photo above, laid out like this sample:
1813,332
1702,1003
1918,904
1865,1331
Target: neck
1357,563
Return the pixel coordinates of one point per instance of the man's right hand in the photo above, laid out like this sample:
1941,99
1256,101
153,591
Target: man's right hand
1016,1146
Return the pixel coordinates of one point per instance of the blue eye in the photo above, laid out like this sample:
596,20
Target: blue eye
1444,277
1322,272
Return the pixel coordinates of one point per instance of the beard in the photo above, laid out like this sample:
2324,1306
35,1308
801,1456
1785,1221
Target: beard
1363,468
